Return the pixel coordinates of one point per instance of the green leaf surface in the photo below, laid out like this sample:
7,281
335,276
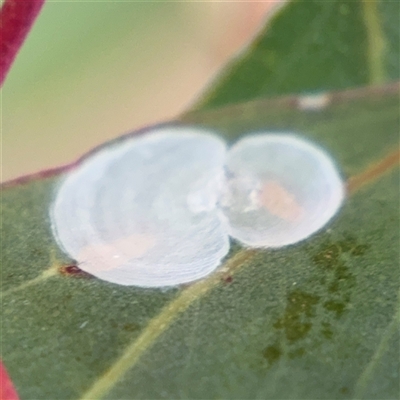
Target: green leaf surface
313,320
314,45
316,320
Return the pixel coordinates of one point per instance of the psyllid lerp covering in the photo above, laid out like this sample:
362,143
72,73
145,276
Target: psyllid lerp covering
157,210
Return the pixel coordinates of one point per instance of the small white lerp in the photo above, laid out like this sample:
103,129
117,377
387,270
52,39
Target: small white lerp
281,190
157,210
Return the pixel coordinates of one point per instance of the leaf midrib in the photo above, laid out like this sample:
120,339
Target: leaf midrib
160,323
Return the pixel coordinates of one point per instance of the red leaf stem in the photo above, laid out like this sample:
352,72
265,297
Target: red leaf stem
16,20
7,391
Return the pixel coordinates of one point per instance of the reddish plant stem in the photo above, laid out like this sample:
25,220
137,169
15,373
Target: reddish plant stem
7,391
16,20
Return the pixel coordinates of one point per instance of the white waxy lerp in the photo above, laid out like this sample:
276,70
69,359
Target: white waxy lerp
281,190
125,213
157,210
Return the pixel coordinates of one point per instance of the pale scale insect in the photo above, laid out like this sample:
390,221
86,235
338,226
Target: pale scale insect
295,189
157,210
138,188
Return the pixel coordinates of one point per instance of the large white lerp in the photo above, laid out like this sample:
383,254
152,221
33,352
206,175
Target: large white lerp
157,210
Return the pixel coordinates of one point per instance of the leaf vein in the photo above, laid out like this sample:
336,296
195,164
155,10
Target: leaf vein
160,323
376,42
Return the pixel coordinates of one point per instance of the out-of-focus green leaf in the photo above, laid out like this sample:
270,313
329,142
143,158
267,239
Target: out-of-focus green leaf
313,45
315,320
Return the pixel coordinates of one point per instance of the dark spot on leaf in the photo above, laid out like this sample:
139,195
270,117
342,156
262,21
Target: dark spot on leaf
296,320
328,257
227,279
299,301
343,273
344,390
272,353
335,306
75,271
332,258
298,331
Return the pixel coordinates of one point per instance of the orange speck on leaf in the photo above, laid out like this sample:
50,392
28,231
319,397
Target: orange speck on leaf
74,271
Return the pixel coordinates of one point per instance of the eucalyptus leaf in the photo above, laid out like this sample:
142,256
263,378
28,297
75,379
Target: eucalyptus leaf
315,320
312,46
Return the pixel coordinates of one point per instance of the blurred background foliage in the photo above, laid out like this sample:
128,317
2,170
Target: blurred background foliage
91,71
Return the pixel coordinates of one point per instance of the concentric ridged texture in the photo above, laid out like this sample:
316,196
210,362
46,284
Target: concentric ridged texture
157,210
125,215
